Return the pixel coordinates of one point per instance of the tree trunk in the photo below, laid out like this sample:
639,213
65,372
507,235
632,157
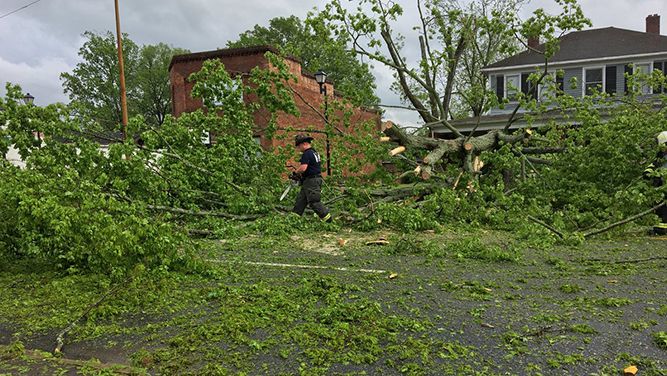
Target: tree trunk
467,147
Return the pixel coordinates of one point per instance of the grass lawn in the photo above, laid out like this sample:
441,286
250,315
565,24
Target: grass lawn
455,302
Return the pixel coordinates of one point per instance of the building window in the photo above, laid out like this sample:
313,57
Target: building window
527,86
236,87
644,69
593,80
627,70
552,85
512,86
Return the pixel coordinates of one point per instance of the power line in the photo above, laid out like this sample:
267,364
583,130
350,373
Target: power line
19,9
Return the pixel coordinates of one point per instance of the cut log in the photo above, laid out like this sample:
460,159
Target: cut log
397,150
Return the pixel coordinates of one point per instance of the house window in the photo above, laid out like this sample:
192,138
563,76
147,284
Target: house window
527,86
644,69
553,83
593,80
627,70
236,86
513,84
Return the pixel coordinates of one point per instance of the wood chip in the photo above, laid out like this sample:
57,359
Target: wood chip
630,371
487,325
397,150
393,275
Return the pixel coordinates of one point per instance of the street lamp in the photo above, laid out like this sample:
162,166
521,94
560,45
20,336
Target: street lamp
28,99
321,78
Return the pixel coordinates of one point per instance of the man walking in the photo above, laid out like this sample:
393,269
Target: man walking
309,174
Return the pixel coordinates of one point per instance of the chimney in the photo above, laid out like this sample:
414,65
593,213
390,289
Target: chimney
533,42
653,24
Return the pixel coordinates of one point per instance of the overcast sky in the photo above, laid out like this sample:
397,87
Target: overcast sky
41,41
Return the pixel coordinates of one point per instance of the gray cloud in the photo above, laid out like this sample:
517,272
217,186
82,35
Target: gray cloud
40,42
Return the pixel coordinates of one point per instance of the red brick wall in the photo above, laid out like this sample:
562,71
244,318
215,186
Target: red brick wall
306,86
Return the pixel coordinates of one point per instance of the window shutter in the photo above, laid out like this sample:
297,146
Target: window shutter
500,87
524,83
610,77
660,66
560,84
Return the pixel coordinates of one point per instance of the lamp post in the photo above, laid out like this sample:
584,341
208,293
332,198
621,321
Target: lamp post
28,99
321,78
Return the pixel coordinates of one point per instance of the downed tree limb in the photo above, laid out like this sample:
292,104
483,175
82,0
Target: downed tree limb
60,339
197,232
548,227
554,150
102,368
631,261
619,223
192,165
439,148
205,213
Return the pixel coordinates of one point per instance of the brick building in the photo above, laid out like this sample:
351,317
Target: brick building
240,61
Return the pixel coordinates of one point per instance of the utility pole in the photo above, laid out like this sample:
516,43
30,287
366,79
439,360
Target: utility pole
123,96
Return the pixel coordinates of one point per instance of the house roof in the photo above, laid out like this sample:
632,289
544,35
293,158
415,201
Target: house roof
227,52
591,44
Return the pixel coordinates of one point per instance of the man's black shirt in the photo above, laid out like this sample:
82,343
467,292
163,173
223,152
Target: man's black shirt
312,158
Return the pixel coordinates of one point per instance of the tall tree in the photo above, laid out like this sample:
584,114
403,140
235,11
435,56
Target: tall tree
152,81
317,48
94,84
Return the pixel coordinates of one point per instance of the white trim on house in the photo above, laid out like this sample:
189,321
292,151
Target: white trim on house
569,62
